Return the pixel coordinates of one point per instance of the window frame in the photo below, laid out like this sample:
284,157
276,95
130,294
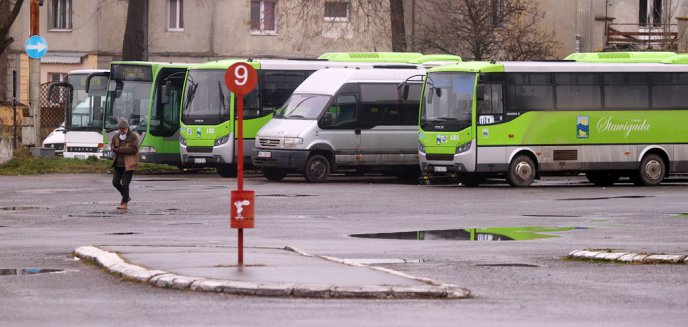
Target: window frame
261,18
56,12
179,17
338,19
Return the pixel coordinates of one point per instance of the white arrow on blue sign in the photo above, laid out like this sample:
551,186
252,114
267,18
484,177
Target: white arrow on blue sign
36,47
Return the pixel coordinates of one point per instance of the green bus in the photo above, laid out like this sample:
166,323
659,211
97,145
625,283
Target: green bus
208,111
148,95
520,120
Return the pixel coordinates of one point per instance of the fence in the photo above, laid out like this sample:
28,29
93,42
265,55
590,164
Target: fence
637,37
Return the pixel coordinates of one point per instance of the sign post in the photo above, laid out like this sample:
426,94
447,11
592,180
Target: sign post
241,78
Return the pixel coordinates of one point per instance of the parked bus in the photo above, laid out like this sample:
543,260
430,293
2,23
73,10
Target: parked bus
208,114
519,120
148,95
343,119
84,117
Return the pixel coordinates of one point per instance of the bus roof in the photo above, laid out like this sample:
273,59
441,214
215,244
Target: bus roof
151,63
87,71
542,67
328,81
392,57
619,57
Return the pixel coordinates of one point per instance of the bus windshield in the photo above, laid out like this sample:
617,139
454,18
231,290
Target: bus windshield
303,106
86,112
447,102
130,100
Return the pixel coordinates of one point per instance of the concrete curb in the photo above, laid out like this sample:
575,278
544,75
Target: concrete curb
115,265
629,257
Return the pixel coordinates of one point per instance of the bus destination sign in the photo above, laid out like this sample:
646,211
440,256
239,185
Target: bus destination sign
132,73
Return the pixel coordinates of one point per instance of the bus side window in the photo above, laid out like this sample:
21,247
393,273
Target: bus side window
491,107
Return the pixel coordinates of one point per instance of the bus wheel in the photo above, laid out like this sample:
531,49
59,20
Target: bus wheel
226,170
521,171
602,178
274,174
317,168
471,180
652,170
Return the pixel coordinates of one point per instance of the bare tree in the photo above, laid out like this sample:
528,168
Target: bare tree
7,18
667,41
484,29
134,44
368,23
396,12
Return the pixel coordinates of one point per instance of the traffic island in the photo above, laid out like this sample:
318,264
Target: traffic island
628,257
271,272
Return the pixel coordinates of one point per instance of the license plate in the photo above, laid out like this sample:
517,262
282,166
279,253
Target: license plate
199,160
264,154
440,169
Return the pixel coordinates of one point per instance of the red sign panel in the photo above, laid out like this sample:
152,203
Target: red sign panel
241,78
242,209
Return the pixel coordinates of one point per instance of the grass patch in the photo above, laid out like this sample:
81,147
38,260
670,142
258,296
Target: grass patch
24,164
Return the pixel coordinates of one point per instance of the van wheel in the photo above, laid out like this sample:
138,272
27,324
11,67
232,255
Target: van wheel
317,169
652,170
228,170
602,178
521,172
274,174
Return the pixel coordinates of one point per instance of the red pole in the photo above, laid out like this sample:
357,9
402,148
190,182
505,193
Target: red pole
240,167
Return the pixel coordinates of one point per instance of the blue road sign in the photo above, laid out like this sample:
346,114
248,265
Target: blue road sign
36,47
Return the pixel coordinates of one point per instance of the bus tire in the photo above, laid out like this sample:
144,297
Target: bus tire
602,178
274,174
317,169
522,171
226,170
652,170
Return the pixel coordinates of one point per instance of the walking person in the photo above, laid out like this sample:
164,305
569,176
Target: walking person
125,159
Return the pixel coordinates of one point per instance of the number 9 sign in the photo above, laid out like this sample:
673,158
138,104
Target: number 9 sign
241,78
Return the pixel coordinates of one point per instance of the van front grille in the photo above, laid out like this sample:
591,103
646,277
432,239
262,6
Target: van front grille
269,143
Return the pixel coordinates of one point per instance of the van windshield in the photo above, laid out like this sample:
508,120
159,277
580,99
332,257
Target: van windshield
303,106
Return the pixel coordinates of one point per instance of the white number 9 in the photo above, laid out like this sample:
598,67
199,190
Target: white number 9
241,74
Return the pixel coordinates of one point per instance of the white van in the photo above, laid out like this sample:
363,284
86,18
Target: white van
349,120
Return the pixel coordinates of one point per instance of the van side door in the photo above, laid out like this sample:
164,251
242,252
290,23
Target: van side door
339,128
389,135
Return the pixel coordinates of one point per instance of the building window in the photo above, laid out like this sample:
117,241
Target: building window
337,11
57,77
175,17
263,17
650,13
60,15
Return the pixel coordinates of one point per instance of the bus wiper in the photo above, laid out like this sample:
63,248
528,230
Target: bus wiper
222,97
189,98
295,116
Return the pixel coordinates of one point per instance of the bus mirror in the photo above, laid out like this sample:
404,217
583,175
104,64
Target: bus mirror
326,119
405,92
438,91
55,90
480,93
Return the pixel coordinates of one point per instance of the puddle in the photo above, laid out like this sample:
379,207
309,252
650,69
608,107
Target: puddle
678,215
523,265
161,180
474,234
552,216
179,224
20,208
27,271
609,197
94,214
283,195
124,233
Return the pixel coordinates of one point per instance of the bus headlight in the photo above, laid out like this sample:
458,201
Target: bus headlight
292,141
463,147
182,140
148,149
222,140
421,147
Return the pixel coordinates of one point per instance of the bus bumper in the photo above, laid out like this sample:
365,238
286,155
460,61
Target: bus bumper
285,159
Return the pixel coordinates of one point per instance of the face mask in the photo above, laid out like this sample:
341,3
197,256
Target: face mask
122,137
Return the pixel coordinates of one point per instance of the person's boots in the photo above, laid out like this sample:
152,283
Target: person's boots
122,205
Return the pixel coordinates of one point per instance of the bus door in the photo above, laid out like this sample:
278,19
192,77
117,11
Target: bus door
489,113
